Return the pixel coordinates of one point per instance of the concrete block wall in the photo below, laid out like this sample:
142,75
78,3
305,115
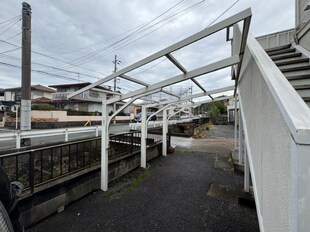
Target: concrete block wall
54,197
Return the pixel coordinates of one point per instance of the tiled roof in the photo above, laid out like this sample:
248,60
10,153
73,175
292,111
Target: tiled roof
82,85
35,87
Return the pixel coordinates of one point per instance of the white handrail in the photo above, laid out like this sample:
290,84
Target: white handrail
294,109
18,135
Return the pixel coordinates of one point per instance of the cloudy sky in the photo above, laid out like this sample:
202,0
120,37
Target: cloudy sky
76,41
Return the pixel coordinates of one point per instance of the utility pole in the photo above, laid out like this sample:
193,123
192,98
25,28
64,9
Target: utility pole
115,62
26,68
25,117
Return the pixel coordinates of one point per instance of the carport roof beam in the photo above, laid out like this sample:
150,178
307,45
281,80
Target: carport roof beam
182,77
176,63
133,80
193,96
172,94
199,85
183,43
105,91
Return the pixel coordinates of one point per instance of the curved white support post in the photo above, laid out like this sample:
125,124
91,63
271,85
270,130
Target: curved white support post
143,137
165,131
104,146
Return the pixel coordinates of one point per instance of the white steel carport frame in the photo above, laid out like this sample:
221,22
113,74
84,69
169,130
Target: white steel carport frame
147,89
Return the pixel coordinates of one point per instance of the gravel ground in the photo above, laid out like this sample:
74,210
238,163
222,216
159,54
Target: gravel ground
173,194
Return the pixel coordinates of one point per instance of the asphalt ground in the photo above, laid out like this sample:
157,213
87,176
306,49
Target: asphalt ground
185,191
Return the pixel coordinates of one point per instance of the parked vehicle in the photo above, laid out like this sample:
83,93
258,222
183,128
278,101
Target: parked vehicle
10,218
138,118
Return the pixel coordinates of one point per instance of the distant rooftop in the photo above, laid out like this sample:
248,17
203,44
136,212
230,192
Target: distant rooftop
82,85
35,87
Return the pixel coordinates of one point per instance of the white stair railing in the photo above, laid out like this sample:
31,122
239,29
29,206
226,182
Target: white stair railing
276,125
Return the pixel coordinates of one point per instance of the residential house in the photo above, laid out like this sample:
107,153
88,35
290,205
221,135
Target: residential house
37,91
10,97
89,101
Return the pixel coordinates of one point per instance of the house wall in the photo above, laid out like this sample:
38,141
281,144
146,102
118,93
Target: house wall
62,116
9,96
37,94
303,23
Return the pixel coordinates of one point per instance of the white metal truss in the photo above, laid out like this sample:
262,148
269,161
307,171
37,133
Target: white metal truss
147,89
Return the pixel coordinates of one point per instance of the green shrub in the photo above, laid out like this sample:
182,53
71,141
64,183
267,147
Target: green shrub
43,107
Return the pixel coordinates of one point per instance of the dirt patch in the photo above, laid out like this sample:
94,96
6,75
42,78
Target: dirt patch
222,192
223,162
127,183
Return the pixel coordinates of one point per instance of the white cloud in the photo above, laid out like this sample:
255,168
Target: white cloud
69,30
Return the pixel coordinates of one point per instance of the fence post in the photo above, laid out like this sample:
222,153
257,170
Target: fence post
66,135
18,140
131,147
97,131
31,171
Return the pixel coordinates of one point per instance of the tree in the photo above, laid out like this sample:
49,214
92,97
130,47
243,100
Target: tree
215,110
214,113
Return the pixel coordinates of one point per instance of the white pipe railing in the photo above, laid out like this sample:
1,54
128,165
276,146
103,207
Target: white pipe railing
137,125
276,125
19,135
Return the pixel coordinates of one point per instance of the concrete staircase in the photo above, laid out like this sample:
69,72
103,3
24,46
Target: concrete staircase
295,66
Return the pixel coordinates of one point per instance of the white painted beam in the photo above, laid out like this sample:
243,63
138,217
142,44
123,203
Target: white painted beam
182,77
199,85
189,40
106,91
133,80
172,94
176,63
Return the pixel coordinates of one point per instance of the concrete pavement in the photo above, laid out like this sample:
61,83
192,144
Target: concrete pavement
181,192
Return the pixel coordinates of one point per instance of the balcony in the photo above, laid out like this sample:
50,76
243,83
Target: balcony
86,96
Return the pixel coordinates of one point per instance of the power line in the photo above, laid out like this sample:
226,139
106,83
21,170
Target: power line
119,35
223,13
18,16
131,35
49,66
171,19
135,31
143,71
13,36
12,50
39,71
53,58
122,45
10,26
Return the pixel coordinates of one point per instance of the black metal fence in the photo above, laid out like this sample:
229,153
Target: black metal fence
42,165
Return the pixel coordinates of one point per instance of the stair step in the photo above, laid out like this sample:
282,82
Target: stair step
285,56
293,69
294,61
306,99
291,66
302,87
282,51
297,75
300,82
278,48
304,93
